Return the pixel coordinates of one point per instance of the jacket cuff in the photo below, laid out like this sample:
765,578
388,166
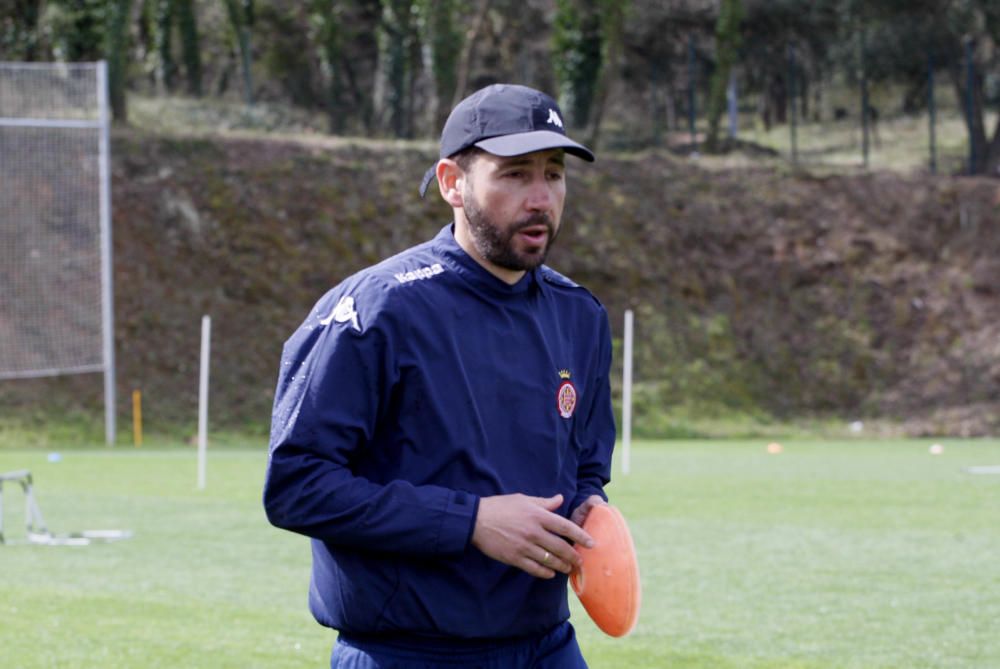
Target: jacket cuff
458,520
583,495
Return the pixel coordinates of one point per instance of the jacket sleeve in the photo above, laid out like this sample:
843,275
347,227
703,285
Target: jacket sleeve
597,436
337,374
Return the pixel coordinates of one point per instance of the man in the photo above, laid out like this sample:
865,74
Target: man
443,424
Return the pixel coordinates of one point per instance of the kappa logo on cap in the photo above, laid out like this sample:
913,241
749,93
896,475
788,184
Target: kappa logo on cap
505,120
344,312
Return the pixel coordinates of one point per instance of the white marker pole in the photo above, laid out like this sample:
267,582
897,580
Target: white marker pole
107,263
627,395
206,339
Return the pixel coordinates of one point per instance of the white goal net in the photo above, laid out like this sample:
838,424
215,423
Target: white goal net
55,237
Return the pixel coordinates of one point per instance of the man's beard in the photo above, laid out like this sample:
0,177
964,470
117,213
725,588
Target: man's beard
494,243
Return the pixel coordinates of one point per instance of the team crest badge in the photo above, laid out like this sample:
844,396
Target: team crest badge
566,396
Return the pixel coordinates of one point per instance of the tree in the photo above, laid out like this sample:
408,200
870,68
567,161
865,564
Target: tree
578,51
241,17
116,47
442,45
727,45
394,83
325,21
76,29
613,36
187,24
290,51
817,29
902,34
19,35
468,47
163,33
974,28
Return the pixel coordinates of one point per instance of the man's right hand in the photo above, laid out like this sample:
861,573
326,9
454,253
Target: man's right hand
525,532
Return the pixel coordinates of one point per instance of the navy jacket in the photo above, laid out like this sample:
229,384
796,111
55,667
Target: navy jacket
414,388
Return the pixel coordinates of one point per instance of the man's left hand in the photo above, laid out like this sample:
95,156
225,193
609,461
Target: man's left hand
580,513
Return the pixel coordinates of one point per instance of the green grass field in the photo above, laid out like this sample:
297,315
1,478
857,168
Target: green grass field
832,554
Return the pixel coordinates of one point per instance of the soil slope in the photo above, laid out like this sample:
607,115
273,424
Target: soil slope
871,295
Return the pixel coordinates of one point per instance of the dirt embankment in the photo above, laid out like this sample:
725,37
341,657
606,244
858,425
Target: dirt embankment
869,295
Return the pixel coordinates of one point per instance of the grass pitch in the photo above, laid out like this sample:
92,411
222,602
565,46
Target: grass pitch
832,554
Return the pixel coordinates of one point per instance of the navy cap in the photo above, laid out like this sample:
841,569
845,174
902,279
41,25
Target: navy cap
505,120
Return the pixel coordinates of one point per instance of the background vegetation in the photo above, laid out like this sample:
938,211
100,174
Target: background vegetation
764,295
266,150
761,295
628,73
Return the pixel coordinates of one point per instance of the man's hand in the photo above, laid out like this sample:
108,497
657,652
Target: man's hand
524,532
580,513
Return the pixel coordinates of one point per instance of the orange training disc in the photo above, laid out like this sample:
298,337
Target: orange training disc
608,581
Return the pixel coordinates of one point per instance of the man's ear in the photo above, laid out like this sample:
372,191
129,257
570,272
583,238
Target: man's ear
451,180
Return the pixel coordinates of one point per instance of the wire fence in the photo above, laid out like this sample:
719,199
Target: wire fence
55,247
839,118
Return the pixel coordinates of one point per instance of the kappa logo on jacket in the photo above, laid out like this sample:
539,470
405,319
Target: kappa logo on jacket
344,312
418,274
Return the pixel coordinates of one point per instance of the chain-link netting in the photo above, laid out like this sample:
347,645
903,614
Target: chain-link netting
50,220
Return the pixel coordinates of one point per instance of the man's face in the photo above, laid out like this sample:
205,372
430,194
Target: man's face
514,206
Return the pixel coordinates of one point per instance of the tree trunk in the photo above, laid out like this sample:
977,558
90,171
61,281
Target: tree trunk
727,44
363,102
468,48
803,93
992,159
241,18
246,64
187,22
975,124
166,69
776,101
613,27
328,37
412,78
116,45
443,44
578,50
392,90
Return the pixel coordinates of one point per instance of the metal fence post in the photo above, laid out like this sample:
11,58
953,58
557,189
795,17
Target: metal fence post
732,100
107,265
793,116
931,111
970,82
692,97
865,105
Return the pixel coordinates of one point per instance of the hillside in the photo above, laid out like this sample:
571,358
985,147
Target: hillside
755,289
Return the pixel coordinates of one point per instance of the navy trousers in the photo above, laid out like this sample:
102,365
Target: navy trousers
555,650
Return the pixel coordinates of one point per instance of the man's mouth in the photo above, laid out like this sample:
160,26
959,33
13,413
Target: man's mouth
534,233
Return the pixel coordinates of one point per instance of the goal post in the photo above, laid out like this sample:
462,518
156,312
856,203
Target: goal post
56,272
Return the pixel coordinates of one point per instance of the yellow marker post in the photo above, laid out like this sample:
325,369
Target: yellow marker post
137,418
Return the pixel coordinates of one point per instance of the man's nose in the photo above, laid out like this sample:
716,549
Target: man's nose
540,195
